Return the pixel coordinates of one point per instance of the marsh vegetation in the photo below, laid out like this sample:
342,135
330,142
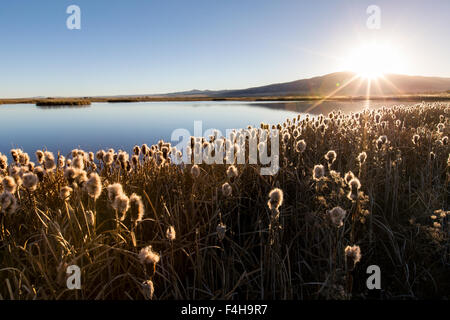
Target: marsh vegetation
352,190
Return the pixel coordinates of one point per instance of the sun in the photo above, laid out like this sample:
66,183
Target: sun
373,60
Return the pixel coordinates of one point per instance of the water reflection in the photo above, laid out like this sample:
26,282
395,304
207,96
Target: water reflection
62,106
122,125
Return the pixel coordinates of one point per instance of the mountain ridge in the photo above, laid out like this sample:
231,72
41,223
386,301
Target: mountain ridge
334,84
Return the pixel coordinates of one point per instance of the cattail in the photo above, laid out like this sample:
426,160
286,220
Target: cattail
337,215
318,172
135,160
90,217
78,162
415,138
30,166
286,138
123,157
30,181
99,155
148,256
382,140
330,156
114,190
40,156
444,140
136,208
94,186
71,174
24,158
8,203
362,158
170,233
145,149
232,172
65,193
348,177
275,199
81,178
15,155
49,161
75,152
226,189
440,127
108,158
3,162
354,188
39,171
136,150
195,171
352,256
300,146
432,156
9,184
61,161
148,289
122,205
221,230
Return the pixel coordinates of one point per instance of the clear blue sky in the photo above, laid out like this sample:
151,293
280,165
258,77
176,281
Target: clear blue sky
144,46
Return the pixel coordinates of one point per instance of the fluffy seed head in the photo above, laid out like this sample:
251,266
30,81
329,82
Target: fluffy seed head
3,162
330,156
121,204
30,181
49,161
300,146
337,215
226,189
362,157
65,193
78,162
195,171
149,289
275,199
136,208
148,256
232,172
90,217
114,190
352,256
170,233
8,203
348,177
94,186
318,172
40,156
9,184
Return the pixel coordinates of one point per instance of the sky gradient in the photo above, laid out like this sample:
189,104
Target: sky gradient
146,47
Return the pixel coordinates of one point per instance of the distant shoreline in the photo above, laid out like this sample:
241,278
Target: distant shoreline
131,99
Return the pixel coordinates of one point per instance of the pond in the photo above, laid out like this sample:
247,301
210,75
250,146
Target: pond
123,125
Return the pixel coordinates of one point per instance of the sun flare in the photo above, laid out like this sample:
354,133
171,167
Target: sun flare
373,60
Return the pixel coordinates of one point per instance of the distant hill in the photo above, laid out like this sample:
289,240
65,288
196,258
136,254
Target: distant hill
335,84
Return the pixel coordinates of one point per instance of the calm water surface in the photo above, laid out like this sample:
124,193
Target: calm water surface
122,125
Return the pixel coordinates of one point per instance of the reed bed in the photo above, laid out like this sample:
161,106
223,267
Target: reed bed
367,188
50,102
